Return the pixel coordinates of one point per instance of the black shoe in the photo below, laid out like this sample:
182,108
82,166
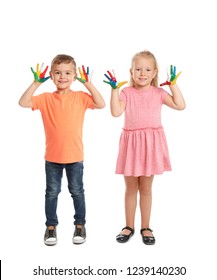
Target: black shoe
123,238
147,240
50,237
79,236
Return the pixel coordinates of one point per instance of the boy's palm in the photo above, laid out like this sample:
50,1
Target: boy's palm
39,74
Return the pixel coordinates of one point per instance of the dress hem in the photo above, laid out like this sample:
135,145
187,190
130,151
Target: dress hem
146,175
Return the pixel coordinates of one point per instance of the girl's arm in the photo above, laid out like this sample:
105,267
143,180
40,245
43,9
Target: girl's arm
116,105
26,99
176,100
98,101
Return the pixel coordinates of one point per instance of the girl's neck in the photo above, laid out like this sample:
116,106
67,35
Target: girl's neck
141,88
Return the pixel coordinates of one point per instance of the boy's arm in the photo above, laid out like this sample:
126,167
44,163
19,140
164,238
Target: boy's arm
26,99
98,101
39,78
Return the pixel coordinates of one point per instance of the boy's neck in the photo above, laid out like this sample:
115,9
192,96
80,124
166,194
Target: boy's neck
63,91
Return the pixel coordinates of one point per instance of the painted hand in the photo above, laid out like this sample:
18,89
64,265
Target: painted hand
172,77
85,75
112,80
39,74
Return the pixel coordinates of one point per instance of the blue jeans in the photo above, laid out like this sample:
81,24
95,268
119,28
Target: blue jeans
74,174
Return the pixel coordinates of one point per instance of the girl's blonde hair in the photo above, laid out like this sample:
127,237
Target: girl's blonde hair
147,54
63,58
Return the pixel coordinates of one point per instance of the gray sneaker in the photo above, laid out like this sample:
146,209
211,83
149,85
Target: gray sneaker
50,237
79,236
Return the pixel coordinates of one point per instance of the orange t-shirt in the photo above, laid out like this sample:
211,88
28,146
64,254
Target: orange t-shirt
63,117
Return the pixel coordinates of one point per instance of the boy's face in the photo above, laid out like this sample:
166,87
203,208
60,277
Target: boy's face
63,75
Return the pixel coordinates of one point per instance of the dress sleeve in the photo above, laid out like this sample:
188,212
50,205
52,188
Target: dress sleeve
123,96
163,94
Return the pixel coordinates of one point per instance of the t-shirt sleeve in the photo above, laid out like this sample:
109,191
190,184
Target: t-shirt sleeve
37,101
87,100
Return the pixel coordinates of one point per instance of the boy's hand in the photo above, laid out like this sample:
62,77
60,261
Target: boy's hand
112,80
84,75
39,75
172,77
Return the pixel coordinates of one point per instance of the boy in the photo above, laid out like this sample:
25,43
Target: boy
63,114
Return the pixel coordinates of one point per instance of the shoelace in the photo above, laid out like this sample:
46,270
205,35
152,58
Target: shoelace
51,233
78,231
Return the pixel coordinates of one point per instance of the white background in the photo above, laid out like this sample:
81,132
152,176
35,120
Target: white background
105,35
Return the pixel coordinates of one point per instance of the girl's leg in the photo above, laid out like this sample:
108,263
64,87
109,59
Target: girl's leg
145,190
131,192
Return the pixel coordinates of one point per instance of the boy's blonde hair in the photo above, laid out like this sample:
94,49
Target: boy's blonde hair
63,58
147,54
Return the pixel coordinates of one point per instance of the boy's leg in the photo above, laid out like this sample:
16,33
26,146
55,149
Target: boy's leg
54,173
74,173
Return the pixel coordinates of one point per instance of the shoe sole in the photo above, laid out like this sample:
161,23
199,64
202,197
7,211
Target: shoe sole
77,242
149,243
51,243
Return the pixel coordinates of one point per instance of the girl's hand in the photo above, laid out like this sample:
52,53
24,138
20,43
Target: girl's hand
112,80
171,77
85,75
39,75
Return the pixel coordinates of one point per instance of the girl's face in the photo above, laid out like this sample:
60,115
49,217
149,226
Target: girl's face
63,75
143,72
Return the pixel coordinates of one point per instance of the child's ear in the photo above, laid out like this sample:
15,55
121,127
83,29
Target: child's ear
51,75
155,73
74,78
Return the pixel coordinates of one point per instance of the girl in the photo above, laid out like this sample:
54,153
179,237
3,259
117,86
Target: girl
143,150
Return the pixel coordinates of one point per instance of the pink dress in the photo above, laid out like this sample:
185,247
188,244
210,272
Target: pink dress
143,147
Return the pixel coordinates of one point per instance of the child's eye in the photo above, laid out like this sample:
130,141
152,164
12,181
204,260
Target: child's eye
57,73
